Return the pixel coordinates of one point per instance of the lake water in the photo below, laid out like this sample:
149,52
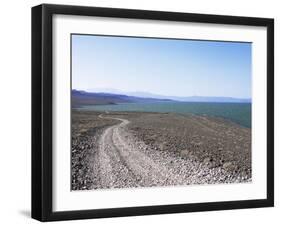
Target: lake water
237,112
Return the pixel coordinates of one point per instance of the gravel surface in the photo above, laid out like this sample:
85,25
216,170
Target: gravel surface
123,150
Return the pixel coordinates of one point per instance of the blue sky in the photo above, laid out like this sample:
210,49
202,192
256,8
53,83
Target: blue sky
161,66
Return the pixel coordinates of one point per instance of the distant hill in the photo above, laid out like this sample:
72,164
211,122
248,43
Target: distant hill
195,98
80,98
178,98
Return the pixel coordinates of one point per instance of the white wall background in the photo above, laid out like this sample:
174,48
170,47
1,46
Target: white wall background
15,120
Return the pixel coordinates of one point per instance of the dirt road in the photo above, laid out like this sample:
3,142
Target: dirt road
123,161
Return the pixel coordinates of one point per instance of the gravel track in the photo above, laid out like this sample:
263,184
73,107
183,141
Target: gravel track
122,161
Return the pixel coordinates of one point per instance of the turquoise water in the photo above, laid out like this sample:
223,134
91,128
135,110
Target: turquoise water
237,112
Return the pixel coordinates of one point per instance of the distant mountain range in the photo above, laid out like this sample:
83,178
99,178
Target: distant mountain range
195,98
175,98
80,98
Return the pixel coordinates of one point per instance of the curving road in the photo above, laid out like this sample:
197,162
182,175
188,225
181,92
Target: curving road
123,161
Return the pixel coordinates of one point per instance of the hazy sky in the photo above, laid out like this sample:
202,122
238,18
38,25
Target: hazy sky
161,66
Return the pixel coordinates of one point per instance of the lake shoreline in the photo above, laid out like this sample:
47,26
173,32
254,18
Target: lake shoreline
239,113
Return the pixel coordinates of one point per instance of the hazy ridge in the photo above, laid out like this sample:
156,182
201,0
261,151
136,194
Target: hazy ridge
80,98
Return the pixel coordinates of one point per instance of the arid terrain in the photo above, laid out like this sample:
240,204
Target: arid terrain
134,149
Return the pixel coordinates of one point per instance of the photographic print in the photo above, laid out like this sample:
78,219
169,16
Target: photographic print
152,112
140,112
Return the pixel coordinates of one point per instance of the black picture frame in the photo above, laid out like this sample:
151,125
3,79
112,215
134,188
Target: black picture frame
42,111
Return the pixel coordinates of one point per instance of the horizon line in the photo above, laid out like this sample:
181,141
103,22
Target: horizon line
125,93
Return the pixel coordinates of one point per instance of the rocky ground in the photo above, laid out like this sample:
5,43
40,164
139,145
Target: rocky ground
86,131
120,150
